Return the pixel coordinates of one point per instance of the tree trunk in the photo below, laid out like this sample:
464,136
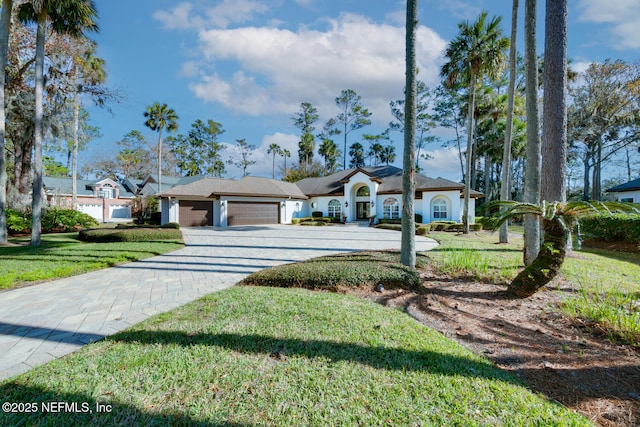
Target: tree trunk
37,202
74,155
532,165
5,23
468,177
554,144
585,178
159,162
547,265
505,188
408,244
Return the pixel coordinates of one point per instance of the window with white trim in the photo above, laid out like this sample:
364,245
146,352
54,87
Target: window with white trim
106,192
335,208
390,208
440,209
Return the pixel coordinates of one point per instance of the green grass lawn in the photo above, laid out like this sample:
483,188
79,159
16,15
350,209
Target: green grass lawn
250,356
62,255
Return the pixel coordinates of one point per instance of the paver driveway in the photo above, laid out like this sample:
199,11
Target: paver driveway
46,321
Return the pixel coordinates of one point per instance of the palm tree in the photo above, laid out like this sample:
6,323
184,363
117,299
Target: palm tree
476,52
356,151
330,153
505,189
532,165
160,117
276,150
408,239
389,155
5,24
72,17
285,153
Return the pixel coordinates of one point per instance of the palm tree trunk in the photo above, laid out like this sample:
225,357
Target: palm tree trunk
159,160
5,24
36,201
505,188
408,244
467,180
547,264
74,156
532,165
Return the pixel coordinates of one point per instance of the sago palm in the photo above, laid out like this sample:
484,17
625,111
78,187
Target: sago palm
558,220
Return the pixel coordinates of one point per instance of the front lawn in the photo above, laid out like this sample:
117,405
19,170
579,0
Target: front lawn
274,357
62,255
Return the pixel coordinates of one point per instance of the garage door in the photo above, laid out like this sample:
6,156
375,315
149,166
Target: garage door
195,213
249,213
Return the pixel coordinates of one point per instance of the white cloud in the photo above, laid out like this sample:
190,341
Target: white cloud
623,17
177,19
281,68
445,163
219,16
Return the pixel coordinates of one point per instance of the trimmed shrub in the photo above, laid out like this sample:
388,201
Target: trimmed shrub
172,225
440,225
624,227
313,223
296,220
133,234
423,229
390,221
476,227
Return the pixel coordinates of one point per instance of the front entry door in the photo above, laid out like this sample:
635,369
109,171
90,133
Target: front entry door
362,210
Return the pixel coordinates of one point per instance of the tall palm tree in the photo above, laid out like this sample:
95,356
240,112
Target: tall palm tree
505,189
5,23
408,238
329,152
160,117
73,17
532,165
276,150
476,52
285,153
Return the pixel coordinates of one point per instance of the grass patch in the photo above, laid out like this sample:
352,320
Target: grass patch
607,283
274,357
352,270
63,255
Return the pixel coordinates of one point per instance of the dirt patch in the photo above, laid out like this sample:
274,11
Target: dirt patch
563,360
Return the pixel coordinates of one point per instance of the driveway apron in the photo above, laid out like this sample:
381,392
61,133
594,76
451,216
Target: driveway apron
46,321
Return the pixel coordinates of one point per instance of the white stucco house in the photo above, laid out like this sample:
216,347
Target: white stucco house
353,194
627,192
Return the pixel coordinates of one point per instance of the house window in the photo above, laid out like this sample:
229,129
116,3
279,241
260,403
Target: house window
627,200
390,208
440,209
363,191
335,209
106,192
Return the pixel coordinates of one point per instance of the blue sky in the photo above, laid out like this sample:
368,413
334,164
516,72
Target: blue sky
248,64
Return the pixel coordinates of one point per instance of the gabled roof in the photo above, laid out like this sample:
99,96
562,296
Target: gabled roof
247,186
627,186
149,185
389,177
63,186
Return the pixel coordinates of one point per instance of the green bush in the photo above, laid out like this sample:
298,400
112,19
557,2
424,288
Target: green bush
172,225
423,229
313,223
133,234
476,227
624,227
18,222
390,221
440,225
296,220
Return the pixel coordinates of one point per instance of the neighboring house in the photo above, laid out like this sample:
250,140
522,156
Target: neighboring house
627,192
149,185
223,202
352,194
105,199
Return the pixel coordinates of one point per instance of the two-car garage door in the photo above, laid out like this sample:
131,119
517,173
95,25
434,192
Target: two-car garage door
251,213
198,213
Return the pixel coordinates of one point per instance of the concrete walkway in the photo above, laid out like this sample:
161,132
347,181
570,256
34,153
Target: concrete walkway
46,321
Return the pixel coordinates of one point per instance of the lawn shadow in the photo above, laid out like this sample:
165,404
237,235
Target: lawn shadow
85,410
388,358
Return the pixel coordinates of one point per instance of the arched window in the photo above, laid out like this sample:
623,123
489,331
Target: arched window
440,208
335,209
363,191
390,208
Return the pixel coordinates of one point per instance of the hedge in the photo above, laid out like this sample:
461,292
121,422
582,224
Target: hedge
624,227
53,219
133,234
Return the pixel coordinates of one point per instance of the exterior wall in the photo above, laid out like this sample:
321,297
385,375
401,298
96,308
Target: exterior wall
454,208
635,195
102,210
350,189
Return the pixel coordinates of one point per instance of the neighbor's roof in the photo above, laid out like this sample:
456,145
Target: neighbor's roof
627,186
247,186
63,186
389,177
